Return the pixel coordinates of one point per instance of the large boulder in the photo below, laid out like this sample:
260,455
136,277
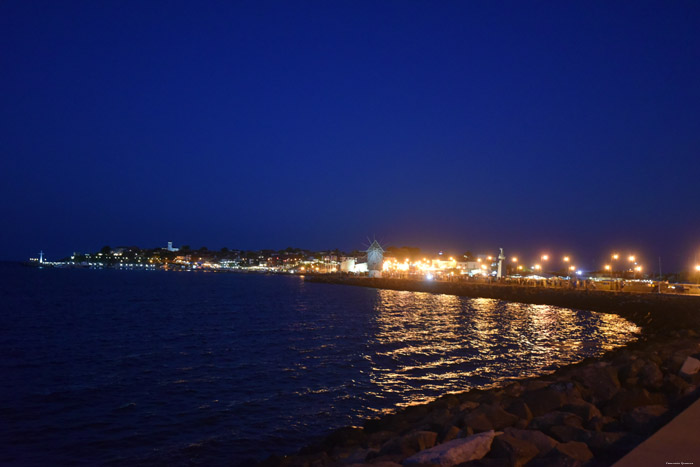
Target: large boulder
566,433
541,401
571,454
601,442
627,399
690,367
454,452
583,409
409,444
600,379
517,451
449,433
544,422
542,442
489,417
519,407
574,450
650,376
642,419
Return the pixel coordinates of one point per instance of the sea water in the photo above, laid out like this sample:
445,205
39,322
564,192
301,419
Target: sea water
150,368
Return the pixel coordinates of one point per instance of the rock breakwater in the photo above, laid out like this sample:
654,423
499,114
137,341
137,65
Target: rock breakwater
590,413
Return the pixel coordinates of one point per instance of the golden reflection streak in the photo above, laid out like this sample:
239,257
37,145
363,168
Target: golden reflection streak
436,343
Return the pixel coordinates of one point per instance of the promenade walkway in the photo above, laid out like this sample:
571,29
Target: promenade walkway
677,443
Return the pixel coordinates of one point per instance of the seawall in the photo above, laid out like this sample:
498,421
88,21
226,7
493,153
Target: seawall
655,313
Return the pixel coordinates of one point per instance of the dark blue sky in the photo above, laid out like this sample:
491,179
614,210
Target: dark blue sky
468,125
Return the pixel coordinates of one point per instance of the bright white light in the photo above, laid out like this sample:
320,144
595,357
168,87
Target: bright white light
429,277
579,272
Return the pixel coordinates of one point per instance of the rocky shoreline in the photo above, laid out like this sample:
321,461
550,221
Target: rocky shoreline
590,413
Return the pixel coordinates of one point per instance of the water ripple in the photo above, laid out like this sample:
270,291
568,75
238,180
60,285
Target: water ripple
149,368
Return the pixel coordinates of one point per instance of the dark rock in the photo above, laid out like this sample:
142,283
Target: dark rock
409,444
597,423
571,454
448,401
522,424
631,370
493,397
468,405
601,379
348,436
566,433
414,413
676,360
435,420
569,389
535,384
513,390
356,456
541,441
675,386
449,434
541,401
377,439
477,422
383,462
517,451
650,376
575,450
393,422
519,407
601,442
550,419
487,462
583,409
489,417
642,419
627,400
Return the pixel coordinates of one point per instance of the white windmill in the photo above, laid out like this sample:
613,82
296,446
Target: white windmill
375,259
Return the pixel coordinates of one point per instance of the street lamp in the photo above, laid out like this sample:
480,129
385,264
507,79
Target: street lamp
607,268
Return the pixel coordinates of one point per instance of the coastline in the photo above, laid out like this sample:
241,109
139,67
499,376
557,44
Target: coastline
590,413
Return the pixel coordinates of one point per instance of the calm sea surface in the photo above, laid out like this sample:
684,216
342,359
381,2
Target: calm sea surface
127,367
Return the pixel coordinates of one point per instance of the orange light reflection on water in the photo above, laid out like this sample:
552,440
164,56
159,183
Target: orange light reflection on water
427,343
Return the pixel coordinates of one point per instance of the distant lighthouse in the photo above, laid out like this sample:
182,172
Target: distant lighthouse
501,265
41,257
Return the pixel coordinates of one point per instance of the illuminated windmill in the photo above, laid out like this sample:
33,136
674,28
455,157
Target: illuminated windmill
375,259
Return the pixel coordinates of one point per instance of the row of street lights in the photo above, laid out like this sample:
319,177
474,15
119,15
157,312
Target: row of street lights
635,268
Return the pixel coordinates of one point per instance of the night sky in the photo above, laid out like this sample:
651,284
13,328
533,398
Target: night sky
570,127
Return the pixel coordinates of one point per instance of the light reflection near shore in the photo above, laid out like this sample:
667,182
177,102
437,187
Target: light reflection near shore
426,345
